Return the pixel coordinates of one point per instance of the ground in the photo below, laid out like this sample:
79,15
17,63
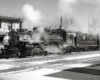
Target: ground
75,66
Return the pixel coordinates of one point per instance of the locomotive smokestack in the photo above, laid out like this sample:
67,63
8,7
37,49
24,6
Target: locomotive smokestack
61,22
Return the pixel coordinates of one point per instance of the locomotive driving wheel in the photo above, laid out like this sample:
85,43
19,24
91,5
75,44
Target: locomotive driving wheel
11,51
28,52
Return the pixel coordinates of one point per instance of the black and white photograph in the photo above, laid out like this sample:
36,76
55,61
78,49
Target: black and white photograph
49,39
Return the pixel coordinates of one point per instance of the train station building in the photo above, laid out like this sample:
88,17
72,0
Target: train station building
9,21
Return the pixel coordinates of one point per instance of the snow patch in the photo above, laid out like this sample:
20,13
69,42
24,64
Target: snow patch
43,62
33,75
7,60
78,65
6,66
83,56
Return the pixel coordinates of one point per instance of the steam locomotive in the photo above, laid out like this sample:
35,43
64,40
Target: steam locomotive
20,43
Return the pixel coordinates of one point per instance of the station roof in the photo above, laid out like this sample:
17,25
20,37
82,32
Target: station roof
6,15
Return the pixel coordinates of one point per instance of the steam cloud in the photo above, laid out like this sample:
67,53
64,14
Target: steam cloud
32,15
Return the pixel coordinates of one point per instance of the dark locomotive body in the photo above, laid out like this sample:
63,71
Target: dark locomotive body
87,42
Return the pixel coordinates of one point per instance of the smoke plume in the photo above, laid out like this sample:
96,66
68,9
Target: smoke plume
35,19
32,15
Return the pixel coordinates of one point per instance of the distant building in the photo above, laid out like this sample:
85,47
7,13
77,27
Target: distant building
9,21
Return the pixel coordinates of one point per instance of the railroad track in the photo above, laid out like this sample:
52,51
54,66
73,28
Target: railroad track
54,56
51,61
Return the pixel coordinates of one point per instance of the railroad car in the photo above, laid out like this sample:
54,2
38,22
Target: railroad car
87,41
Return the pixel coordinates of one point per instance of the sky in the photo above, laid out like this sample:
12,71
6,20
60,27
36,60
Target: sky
47,7
46,10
